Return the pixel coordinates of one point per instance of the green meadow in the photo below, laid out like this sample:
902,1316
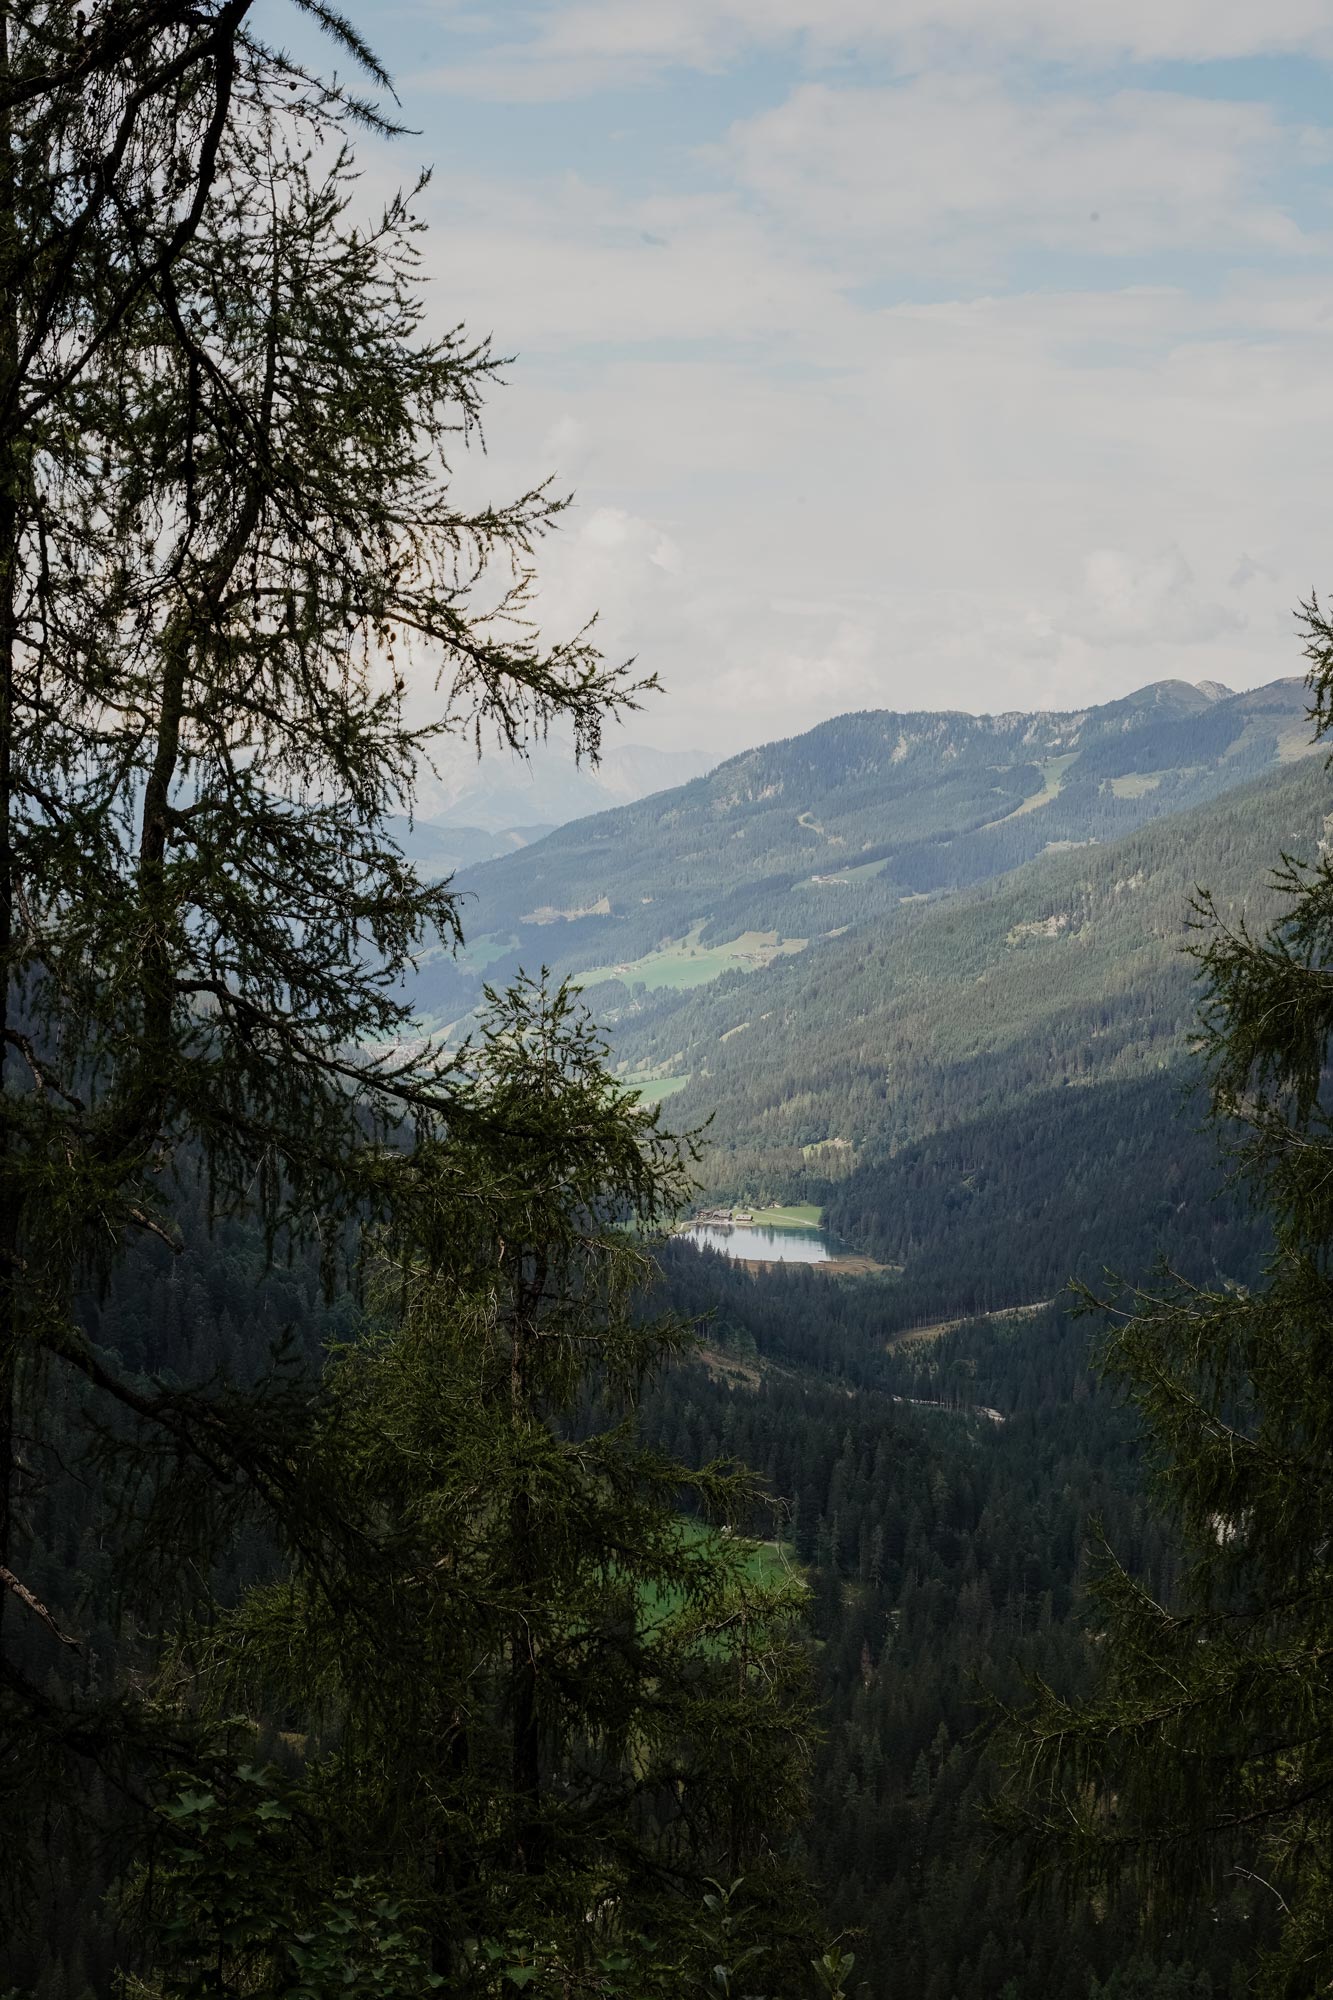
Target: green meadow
794,1215
685,962
653,1089
765,1563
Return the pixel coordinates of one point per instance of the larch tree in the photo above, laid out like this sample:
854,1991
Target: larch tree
113,123
238,602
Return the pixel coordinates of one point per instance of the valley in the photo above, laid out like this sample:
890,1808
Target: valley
959,1077
666,1186
987,1089
922,981
931,1086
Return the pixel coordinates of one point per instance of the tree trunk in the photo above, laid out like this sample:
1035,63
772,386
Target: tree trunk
529,1834
10,469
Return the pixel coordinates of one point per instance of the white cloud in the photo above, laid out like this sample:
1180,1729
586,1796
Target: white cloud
549,267
975,509
575,48
1131,599
936,184
962,166
792,501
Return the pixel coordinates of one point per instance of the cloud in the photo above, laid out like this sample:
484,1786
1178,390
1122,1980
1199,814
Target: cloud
962,166
576,48
862,407
944,185
567,263
991,504
1130,599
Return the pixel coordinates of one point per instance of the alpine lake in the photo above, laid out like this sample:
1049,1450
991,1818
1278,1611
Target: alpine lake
763,1236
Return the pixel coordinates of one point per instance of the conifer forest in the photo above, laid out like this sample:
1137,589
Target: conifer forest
728,1395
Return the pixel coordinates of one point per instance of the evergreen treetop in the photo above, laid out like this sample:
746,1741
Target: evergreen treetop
1207,1757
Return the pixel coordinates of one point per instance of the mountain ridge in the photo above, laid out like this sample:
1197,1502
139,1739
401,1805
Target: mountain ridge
799,838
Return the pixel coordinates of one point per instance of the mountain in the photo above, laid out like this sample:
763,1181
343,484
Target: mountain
1067,969
801,840
989,1093
965,1035
973,1055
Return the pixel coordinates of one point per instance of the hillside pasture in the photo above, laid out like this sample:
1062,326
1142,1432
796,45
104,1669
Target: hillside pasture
654,1089
684,962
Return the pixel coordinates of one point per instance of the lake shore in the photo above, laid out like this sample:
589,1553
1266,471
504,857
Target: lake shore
760,1239
846,1264
793,1215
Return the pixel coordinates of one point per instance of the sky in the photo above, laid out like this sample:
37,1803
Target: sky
901,353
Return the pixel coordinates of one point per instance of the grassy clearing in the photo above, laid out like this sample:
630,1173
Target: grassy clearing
653,1089
1293,743
851,1264
547,913
1136,784
685,962
912,1335
730,1370
797,1215
479,952
862,872
765,1563
1052,773
846,1264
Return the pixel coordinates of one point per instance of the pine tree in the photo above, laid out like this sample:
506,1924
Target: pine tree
1205,1766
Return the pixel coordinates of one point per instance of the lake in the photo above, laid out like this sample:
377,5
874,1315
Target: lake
761,1242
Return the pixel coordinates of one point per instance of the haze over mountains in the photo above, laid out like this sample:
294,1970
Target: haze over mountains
476,809
480,808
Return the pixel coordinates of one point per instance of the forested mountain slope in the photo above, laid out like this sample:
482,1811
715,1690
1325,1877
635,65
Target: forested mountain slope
945,1551
797,840
1067,972
990,1093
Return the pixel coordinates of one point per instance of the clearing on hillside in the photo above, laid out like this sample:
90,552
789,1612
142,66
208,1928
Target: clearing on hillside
685,962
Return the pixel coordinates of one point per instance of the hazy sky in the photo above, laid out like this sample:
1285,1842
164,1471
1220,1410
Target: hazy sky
903,353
